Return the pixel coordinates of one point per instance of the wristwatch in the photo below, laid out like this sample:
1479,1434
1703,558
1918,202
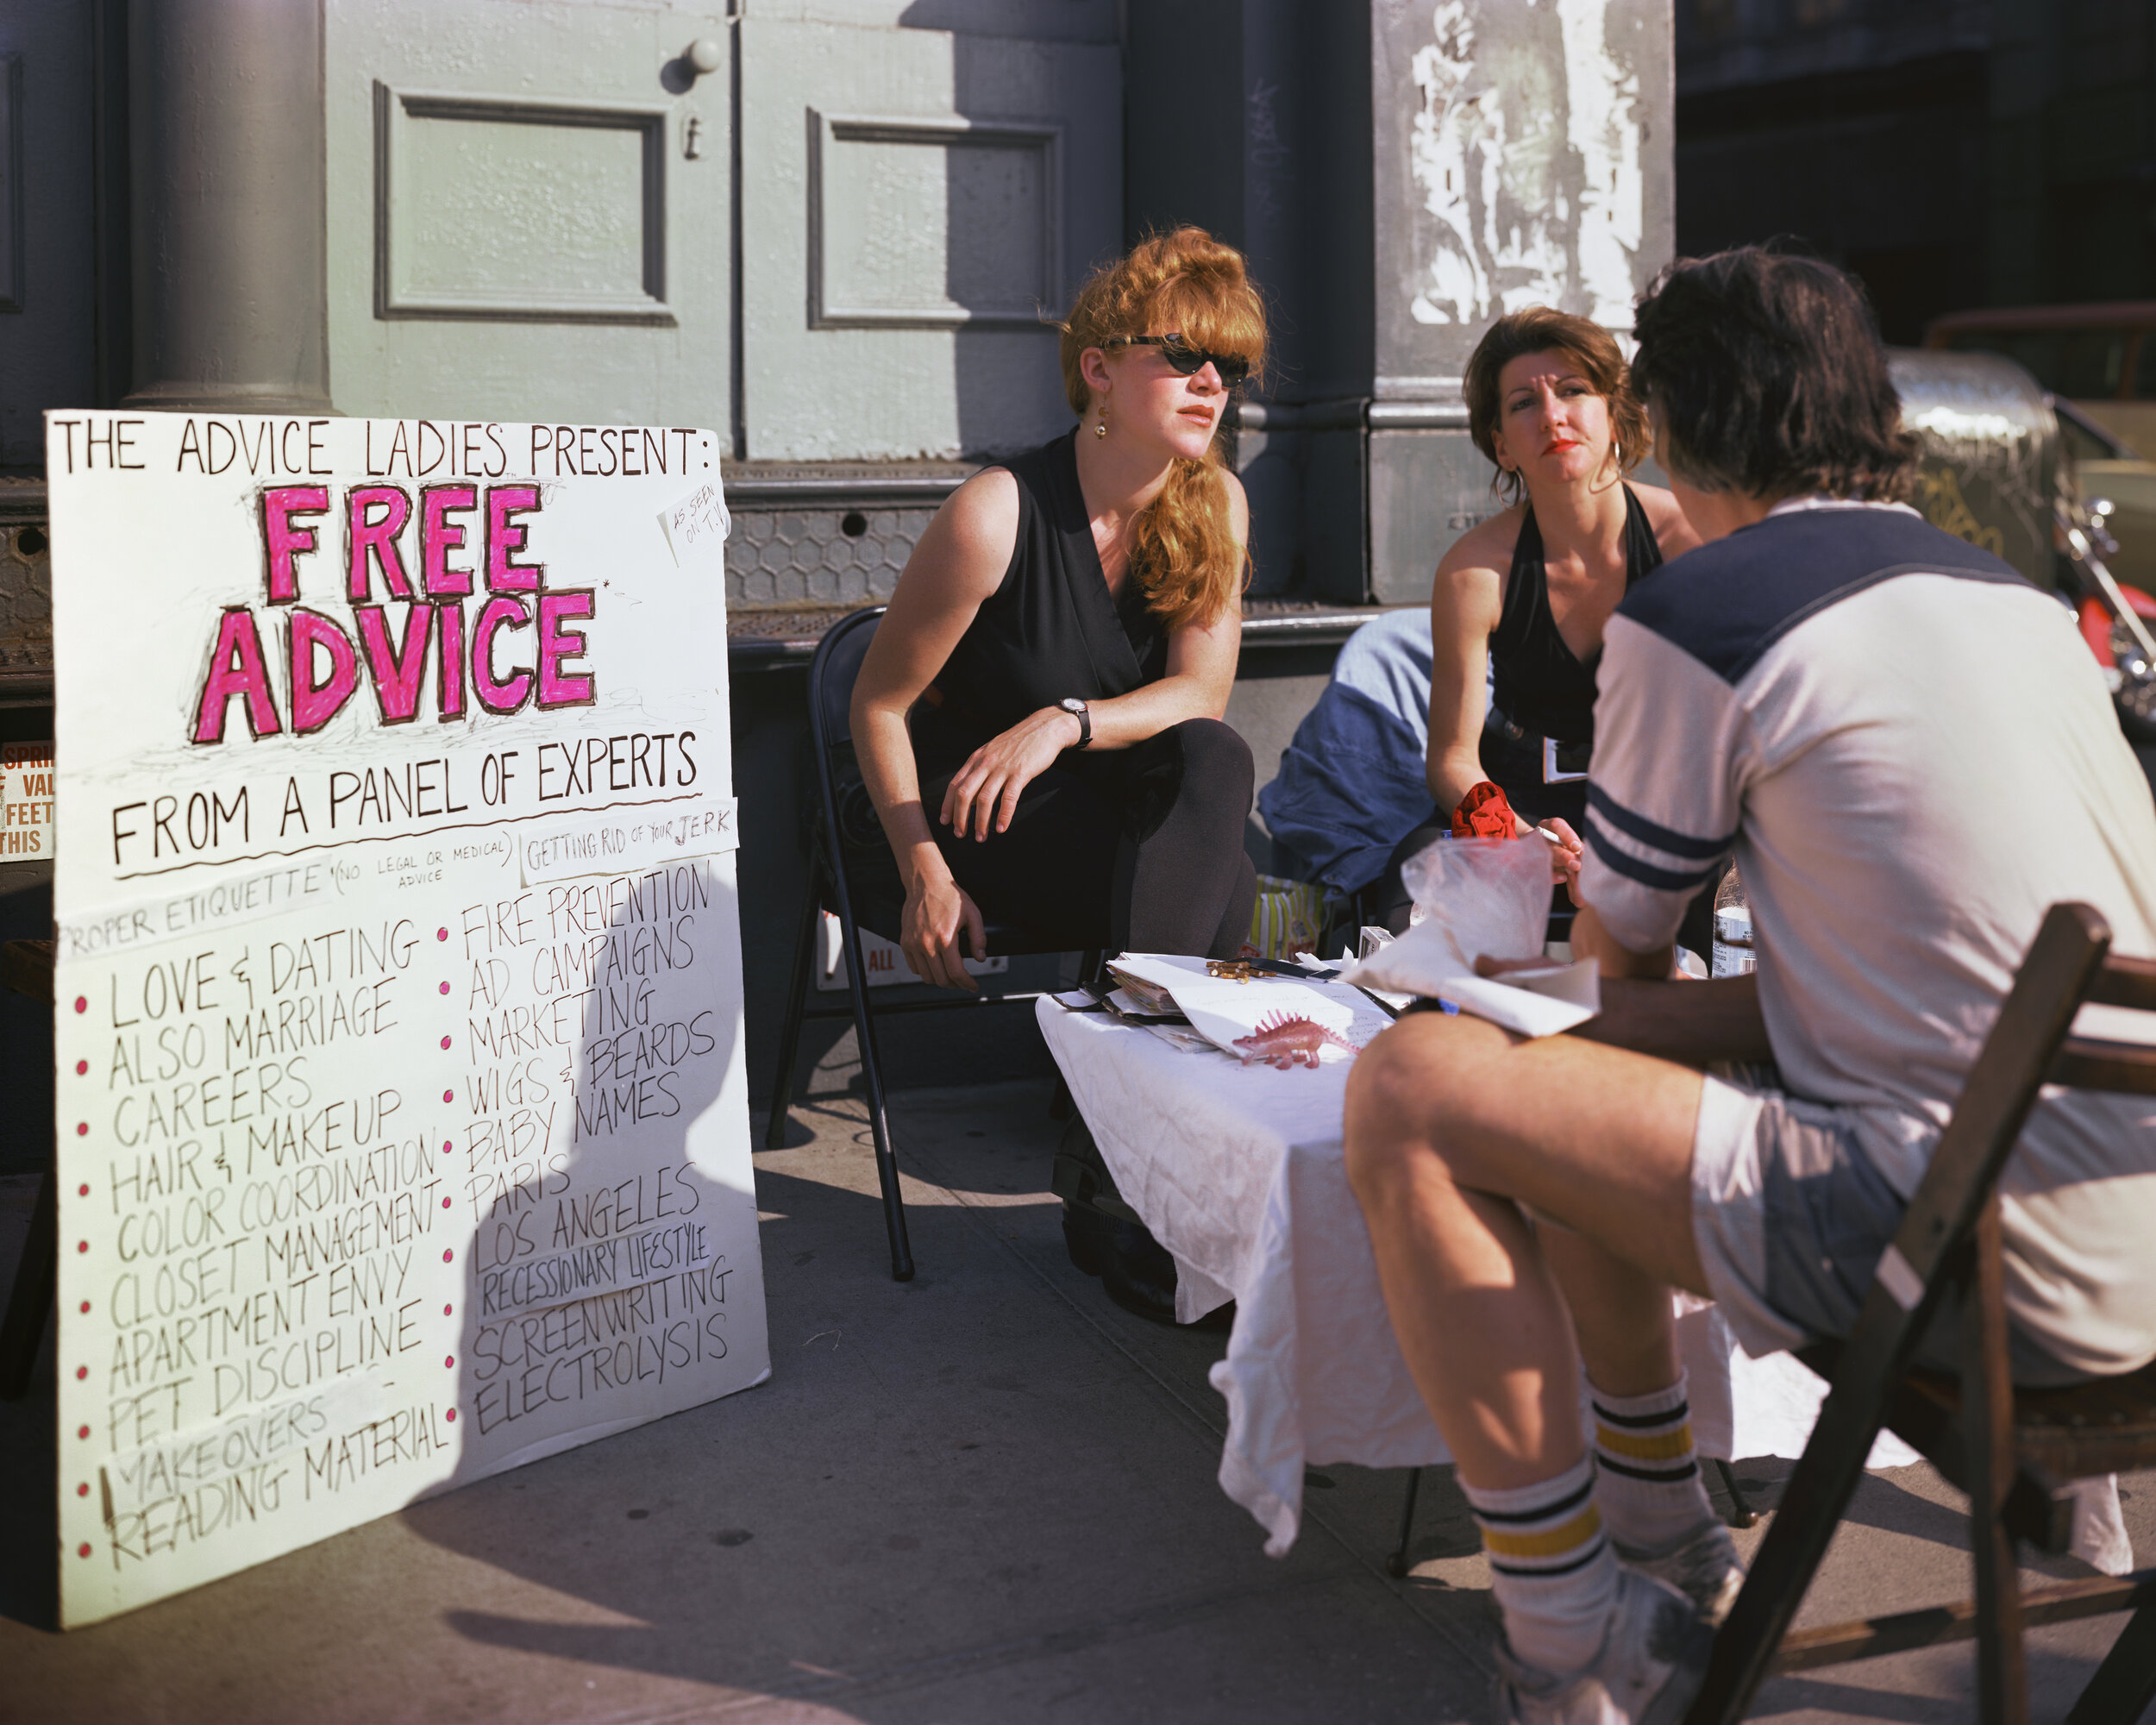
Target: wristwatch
1078,709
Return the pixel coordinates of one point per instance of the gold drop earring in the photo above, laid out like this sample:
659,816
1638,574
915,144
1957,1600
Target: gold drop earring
1101,429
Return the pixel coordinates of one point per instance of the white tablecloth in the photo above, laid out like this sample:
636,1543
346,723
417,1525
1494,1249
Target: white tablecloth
1238,1172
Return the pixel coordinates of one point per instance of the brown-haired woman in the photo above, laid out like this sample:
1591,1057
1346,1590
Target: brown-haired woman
1049,679
1525,594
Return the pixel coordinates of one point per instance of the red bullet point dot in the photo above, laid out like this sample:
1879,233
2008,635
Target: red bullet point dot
445,1204
82,1432
441,934
82,1246
82,1128
82,1003
86,1306
445,1146
83,1190
450,1361
445,1042
446,1310
447,1256
81,1372
83,1549
83,1490
451,1416
81,1067
445,987
449,1096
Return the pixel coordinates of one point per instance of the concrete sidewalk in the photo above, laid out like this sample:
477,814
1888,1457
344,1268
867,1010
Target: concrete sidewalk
986,1495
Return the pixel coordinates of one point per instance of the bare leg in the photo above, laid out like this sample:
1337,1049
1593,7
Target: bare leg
1620,1314
1451,1126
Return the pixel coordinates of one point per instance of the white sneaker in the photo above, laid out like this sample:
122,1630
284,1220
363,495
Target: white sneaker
1649,1667
1703,1564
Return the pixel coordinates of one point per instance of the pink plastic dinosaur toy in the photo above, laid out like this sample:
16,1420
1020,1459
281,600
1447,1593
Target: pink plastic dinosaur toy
1282,1041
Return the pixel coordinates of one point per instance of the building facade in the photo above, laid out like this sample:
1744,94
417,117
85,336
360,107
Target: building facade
837,231
1954,153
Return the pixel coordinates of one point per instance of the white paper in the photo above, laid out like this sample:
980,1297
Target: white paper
402,1099
1532,1003
697,527
1539,1005
1224,1010
640,836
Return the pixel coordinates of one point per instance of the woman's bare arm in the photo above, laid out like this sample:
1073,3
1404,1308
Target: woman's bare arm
1201,659
956,567
1466,599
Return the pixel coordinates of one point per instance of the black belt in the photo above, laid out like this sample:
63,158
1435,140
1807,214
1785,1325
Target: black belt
1563,763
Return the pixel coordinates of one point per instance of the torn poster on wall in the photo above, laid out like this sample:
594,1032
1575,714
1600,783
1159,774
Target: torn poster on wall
402,1105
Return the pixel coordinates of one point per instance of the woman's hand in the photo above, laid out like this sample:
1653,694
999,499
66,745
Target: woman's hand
1565,856
985,789
937,910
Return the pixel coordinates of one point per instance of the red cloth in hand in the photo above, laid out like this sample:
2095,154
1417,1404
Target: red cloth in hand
1484,813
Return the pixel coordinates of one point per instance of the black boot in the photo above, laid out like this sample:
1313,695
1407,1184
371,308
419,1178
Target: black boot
1104,1235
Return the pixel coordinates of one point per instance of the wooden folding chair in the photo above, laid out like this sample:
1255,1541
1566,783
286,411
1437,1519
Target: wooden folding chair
2014,1452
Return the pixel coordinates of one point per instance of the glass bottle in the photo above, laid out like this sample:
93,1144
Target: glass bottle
1733,953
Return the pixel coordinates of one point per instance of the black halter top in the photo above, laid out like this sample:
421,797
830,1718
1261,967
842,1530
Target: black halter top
1052,628
1541,687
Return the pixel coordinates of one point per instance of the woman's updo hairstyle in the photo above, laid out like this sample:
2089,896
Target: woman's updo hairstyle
1542,330
1182,549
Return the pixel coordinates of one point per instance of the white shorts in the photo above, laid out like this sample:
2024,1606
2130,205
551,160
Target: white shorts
1790,1216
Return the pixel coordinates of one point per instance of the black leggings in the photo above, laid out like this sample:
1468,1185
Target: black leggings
1132,851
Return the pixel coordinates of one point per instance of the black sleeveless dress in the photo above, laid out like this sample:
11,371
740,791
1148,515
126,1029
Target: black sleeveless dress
1543,689
1137,847
1052,630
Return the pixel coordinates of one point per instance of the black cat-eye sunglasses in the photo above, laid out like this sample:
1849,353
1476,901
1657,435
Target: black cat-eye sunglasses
1186,360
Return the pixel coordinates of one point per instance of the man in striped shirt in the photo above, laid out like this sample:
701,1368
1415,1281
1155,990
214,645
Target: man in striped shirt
1911,756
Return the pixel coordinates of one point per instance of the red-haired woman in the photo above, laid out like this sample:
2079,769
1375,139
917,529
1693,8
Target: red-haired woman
1038,719
1526,594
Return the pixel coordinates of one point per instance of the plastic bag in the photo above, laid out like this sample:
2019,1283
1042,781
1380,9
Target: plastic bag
1287,919
1489,896
1479,897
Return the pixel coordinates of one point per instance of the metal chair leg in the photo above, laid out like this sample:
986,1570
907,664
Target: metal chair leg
1741,1514
30,1301
872,1081
790,1027
1396,1565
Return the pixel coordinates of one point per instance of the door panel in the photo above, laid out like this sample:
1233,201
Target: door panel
528,212
917,207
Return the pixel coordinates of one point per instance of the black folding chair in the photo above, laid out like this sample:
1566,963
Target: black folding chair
855,877
2014,1452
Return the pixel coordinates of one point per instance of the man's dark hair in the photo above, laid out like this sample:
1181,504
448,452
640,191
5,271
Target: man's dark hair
1767,376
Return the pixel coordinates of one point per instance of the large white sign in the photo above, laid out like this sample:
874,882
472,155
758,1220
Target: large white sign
401,1101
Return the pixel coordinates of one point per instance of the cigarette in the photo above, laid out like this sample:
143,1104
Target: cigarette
1554,838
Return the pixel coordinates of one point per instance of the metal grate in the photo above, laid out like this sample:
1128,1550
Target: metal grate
807,556
26,597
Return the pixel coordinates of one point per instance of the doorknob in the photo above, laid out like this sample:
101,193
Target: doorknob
705,54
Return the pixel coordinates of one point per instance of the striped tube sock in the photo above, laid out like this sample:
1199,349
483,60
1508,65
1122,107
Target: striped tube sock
1649,1486
1553,1573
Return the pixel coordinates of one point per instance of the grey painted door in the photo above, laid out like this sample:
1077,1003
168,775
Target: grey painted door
528,210
918,205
